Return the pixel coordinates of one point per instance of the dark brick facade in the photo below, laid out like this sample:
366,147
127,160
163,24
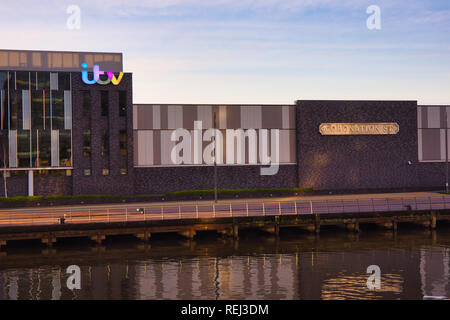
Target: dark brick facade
97,183
168,179
361,161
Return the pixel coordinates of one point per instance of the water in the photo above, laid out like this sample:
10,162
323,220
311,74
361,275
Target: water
414,263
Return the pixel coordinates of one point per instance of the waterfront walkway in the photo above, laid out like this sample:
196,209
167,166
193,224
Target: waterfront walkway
301,205
226,217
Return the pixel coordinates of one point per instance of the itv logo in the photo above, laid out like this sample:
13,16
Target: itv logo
97,73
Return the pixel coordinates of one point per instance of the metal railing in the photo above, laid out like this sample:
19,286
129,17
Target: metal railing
136,212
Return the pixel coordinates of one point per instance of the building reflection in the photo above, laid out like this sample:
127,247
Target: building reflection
262,272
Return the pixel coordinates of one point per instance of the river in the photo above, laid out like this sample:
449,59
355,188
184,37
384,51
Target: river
414,263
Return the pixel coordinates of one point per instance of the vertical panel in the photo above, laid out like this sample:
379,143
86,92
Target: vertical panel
157,147
166,147
67,110
204,114
135,110
255,117
26,110
434,115
284,143
285,117
442,144
13,148
222,117
233,117
145,147
419,117
420,145
53,81
55,148
156,117
244,117
174,117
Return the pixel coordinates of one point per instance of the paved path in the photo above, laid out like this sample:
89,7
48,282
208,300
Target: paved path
327,204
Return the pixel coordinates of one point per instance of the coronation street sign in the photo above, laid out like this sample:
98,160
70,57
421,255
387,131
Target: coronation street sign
342,129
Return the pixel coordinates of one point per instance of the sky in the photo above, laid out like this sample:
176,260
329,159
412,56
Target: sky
252,51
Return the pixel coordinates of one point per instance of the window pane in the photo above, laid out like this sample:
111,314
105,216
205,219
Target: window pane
43,80
123,142
63,81
105,143
65,149
22,80
23,148
44,148
37,110
57,110
15,102
122,103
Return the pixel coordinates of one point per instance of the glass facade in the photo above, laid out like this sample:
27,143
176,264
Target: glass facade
36,119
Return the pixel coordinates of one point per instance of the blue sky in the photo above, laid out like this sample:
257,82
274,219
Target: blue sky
252,51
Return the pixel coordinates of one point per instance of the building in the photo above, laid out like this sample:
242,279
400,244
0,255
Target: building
62,134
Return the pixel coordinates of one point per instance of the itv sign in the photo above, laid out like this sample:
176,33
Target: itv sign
97,73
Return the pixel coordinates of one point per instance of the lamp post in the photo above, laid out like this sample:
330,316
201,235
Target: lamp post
446,151
215,161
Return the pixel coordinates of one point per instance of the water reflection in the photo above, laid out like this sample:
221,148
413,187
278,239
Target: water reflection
295,266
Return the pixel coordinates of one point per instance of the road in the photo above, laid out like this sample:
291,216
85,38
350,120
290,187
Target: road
225,208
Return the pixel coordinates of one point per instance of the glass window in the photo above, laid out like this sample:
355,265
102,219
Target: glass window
4,99
47,114
43,80
14,106
122,103
123,142
123,171
87,143
105,143
23,148
57,110
44,157
87,172
63,81
105,172
104,103
65,148
37,109
22,80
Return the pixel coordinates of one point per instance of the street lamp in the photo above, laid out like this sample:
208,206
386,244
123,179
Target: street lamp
446,151
215,161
